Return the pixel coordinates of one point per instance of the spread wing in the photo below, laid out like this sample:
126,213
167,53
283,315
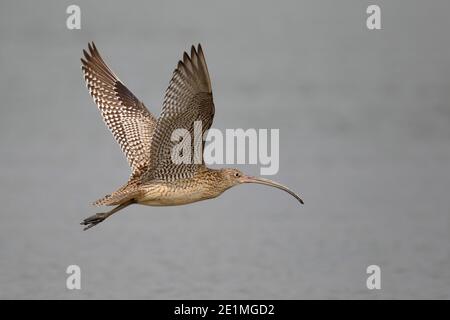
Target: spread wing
188,99
128,119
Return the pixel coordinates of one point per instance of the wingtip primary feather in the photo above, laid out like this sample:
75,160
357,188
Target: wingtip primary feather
86,55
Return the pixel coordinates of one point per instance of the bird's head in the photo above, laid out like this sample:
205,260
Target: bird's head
233,177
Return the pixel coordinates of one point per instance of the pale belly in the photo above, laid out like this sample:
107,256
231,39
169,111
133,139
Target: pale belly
169,196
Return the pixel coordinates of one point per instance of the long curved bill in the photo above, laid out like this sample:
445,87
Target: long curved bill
271,183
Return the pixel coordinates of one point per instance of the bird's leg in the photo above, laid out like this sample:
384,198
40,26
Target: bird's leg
99,217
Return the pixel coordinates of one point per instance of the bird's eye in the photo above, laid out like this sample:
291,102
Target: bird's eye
237,174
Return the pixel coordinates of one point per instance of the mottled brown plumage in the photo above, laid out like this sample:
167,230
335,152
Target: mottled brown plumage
146,142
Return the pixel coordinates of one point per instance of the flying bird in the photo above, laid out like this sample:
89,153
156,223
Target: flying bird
157,180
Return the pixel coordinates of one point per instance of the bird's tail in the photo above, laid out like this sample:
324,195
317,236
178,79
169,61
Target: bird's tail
105,201
125,193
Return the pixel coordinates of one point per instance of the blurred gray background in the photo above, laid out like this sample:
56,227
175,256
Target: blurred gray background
364,119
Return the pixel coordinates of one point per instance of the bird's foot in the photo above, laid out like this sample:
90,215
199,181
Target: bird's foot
94,220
